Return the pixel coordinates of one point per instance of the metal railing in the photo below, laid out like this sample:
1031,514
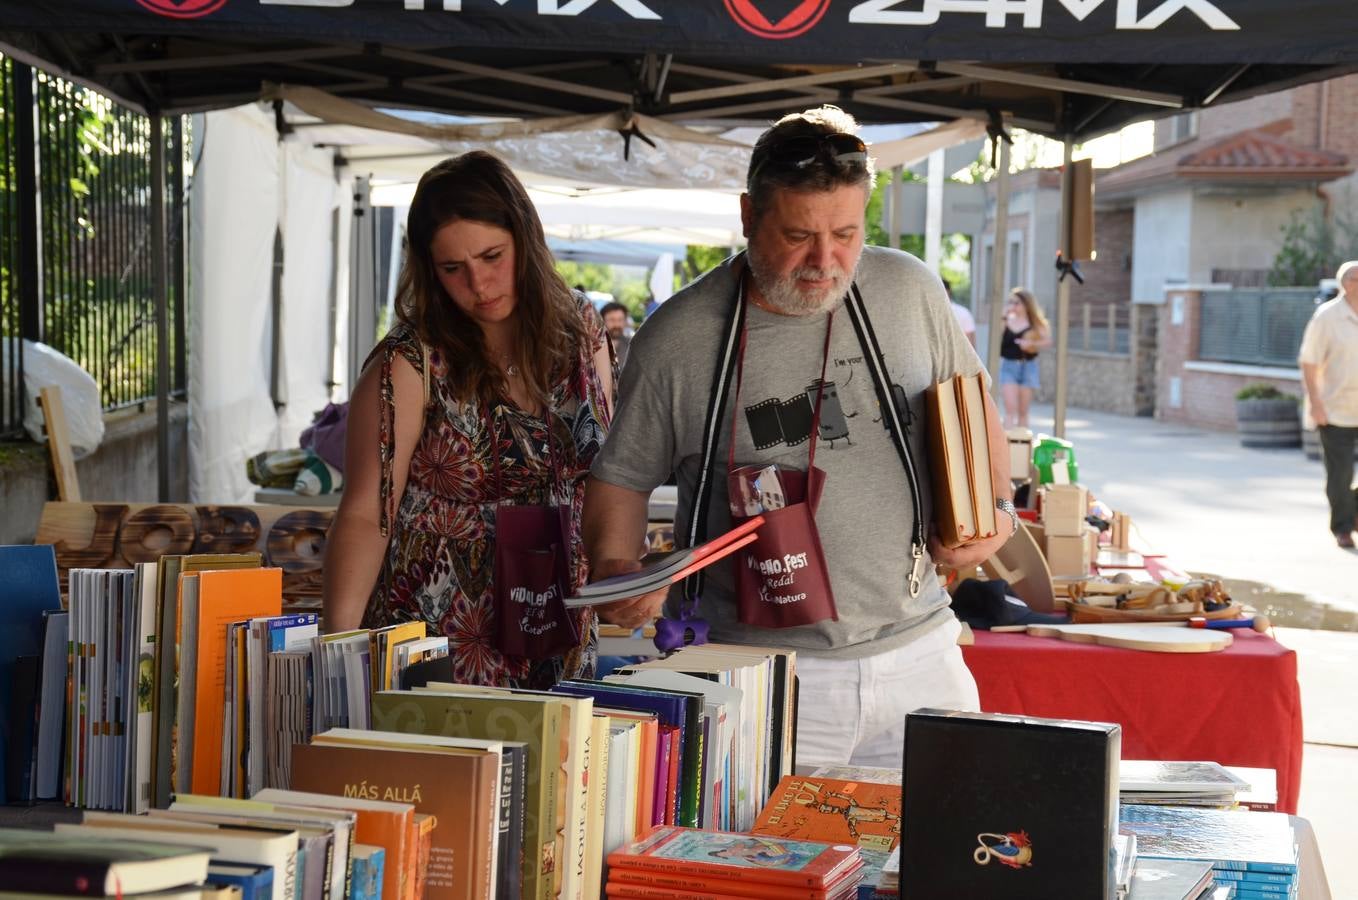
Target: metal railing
11,347
86,162
1101,328
1261,327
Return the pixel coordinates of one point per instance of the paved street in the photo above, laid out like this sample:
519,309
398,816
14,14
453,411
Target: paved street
1258,518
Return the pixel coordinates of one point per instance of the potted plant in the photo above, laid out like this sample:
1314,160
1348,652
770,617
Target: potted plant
1267,417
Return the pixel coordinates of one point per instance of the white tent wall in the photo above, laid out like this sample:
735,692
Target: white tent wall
244,181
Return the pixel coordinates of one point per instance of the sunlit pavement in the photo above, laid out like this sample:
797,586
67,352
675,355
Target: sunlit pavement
1259,519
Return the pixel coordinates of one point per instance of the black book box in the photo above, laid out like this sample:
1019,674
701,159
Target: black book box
1008,807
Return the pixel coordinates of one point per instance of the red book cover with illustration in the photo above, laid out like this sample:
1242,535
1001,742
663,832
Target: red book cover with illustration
737,857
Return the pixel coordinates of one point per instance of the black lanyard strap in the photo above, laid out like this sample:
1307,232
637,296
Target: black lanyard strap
723,376
881,380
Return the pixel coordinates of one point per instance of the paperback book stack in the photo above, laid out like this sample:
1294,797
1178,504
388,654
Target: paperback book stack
1256,852
672,863
1156,782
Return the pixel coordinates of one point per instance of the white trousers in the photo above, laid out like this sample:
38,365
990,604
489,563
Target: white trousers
852,711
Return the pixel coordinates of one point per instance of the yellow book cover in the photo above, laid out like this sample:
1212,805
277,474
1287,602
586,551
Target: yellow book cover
597,804
380,644
531,720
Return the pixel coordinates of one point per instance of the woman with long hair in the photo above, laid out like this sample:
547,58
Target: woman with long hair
492,392
1025,333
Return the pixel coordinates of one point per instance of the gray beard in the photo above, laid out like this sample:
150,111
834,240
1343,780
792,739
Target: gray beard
783,294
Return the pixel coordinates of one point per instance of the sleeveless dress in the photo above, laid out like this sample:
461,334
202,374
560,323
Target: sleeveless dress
440,560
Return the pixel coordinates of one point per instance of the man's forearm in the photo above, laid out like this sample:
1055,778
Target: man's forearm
1310,376
999,451
613,521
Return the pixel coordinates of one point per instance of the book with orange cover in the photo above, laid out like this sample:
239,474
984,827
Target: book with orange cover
459,791
738,857
959,460
224,597
647,773
386,824
862,813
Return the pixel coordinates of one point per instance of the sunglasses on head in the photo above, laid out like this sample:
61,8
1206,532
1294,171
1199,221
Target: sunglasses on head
800,152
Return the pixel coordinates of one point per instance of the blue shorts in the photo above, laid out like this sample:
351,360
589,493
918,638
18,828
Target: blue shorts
1023,372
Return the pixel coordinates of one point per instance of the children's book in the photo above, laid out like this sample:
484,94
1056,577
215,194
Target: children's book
738,857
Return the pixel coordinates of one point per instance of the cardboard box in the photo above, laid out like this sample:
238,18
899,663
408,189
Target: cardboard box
1121,532
1007,807
1020,452
1068,555
1064,507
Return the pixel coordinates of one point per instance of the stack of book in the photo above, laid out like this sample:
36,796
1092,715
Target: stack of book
1256,852
752,751
1156,782
866,814
672,863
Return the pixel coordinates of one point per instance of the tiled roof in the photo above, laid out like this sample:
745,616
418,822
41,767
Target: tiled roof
1254,154
1257,151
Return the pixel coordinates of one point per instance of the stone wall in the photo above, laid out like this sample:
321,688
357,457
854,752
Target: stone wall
123,468
1119,383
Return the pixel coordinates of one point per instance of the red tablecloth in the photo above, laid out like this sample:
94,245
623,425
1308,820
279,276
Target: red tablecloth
1240,706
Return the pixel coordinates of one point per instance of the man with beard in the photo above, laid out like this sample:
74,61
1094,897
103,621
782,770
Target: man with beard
782,331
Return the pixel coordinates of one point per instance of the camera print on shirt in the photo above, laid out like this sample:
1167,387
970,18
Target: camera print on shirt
774,421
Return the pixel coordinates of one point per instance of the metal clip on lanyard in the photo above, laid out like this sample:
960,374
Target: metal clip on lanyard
716,408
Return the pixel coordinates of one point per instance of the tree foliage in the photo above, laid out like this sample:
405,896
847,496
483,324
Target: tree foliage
1314,246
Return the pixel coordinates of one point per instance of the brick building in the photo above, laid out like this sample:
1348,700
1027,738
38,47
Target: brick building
1185,238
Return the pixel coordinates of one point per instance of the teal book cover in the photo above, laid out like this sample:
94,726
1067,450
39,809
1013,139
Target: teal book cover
729,855
29,588
366,864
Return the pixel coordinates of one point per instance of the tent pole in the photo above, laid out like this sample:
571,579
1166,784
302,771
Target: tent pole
1063,298
999,258
933,213
159,284
897,192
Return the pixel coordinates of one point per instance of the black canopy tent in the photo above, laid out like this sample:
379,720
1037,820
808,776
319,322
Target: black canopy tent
1069,69
1065,68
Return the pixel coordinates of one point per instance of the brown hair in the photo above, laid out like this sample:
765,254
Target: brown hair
1031,309
478,187
824,174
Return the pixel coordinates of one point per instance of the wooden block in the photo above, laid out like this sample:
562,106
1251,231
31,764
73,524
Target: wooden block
59,444
1064,507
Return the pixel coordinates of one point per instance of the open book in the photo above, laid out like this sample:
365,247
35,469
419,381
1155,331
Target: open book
959,460
667,569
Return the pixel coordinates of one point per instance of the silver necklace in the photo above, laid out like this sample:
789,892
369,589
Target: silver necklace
512,369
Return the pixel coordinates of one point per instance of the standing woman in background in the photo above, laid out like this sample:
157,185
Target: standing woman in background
492,393
1025,332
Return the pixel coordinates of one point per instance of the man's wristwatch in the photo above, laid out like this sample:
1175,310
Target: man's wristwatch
1008,506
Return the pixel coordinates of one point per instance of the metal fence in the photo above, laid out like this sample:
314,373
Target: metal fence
1260,327
1101,328
11,348
87,237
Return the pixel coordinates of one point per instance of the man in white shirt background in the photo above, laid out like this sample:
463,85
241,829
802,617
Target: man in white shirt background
1329,368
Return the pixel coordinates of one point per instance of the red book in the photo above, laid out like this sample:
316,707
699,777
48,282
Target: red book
667,569
671,799
737,857
697,887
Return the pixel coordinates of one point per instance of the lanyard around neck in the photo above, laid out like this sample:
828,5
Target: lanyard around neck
740,377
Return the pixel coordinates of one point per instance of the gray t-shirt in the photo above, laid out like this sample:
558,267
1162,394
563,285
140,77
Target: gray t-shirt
865,514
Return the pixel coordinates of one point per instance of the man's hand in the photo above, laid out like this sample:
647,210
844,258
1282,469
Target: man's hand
1319,415
969,556
633,612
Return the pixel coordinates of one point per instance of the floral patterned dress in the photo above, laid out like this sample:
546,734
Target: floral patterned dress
440,561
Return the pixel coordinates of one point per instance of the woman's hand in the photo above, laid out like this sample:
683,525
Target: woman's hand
633,612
